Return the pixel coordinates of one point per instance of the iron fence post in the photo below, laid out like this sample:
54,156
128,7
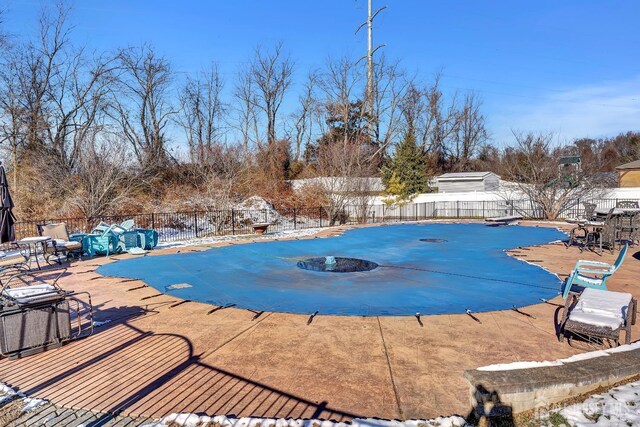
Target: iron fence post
153,220
320,215
295,227
233,221
195,221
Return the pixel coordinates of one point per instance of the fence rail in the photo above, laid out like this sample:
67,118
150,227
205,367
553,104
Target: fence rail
175,226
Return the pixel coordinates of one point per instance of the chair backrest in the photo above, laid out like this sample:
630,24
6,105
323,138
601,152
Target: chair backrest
55,231
620,259
589,210
127,225
100,228
627,204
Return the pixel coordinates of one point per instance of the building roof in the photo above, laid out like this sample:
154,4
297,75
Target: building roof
631,165
465,176
569,160
373,184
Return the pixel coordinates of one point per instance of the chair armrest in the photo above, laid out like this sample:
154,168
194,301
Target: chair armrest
77,237
592,263
587,270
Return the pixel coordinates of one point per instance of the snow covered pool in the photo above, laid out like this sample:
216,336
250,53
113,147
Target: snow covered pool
426,268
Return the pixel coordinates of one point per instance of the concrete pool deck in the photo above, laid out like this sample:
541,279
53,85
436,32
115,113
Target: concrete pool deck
159,355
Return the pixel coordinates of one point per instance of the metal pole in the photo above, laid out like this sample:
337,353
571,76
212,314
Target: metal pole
370,57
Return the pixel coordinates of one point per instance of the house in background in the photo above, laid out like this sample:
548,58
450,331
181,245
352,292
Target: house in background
629,174
461,182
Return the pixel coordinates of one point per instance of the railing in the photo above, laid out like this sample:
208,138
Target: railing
174,226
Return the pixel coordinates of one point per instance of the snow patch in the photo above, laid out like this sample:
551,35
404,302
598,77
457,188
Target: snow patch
559,362
619,406
193,420
98,323
288,234
32,403
518,365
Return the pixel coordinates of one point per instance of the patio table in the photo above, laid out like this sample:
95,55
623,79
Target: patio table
32,243
618,218
616,211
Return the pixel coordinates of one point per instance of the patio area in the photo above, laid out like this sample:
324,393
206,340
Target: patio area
158,355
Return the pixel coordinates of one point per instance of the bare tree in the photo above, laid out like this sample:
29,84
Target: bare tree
303,118
345,112
12,126
437,123
102,181
271,73
142,108
344,171
412,107
201,113
470,133
533,167
246,118
389,90
53,95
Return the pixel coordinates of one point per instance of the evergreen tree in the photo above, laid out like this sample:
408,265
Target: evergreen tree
395,193
409,167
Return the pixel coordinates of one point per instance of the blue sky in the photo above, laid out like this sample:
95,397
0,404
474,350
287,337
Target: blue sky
571,66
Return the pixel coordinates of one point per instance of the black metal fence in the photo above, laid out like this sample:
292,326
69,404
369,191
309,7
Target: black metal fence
175,226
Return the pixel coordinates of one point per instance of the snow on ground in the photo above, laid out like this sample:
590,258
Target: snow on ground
193,420
575,358
98,323
619,406
288,234
7,394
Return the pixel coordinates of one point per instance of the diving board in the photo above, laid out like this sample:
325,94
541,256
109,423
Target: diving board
503,220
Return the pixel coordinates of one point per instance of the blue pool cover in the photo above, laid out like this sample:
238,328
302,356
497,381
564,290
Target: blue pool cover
426,268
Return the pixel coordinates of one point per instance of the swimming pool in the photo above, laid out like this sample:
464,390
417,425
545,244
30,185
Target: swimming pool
426,268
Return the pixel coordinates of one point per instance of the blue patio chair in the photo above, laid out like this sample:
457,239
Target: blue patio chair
593,274
102,242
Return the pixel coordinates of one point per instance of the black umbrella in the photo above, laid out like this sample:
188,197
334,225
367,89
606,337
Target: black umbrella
7,220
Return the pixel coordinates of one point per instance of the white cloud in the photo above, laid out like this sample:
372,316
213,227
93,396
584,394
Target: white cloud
586,111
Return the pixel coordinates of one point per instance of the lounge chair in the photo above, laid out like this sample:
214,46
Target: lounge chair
593,274
13,262
598,314
60,243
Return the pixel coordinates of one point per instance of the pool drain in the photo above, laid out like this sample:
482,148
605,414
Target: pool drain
433,240
331,264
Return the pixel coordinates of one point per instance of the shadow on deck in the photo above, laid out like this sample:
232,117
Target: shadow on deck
125,371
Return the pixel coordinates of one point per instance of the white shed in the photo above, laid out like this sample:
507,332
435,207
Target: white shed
461,182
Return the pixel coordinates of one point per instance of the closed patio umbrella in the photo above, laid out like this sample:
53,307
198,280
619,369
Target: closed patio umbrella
7,220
